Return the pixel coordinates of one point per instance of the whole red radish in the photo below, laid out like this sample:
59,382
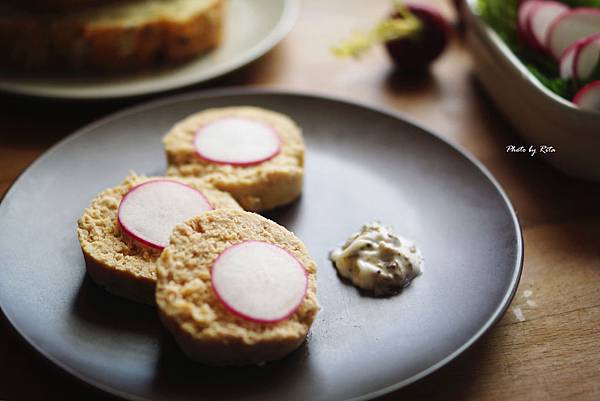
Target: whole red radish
414,35
415,52
459,7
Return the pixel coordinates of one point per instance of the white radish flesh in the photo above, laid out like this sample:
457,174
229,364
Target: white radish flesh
237,141
541,18
149,212
566,62
259,281
570,27
588,97
586,57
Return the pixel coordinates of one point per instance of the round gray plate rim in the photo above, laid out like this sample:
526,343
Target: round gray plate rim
501,307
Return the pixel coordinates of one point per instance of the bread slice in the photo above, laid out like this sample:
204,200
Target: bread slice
115,262
202,326
118,36
275,182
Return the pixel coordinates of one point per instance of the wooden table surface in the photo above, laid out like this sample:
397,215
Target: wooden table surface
546,347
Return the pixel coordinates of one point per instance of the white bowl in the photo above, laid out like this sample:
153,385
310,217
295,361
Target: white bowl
541,116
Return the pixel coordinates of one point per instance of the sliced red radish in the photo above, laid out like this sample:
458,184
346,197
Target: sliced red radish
586,57
541,17
149,212
580,59
238,141
525,9
570,27
566,61
259,281
588,97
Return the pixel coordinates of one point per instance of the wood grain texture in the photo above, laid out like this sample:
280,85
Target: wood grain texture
546,347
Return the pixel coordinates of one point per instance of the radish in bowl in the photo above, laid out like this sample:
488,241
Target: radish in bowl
581,59
588,97
565,64
570,27
558,44
540,19
587,57
523,16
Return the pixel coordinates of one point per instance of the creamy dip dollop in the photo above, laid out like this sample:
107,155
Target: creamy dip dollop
378,260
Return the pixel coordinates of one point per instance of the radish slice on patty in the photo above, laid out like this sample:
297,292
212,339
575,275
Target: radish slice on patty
238,141
570,27
259,281
149,212
588,97
541,18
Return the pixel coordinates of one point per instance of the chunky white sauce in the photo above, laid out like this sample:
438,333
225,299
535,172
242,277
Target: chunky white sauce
378,260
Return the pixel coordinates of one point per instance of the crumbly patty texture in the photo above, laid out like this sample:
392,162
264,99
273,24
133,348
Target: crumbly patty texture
114,36
113,260
274,182
188,306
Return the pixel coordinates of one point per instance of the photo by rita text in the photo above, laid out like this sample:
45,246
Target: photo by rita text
532,150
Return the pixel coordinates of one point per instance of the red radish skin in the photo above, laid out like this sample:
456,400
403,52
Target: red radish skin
237,139
571,57
586,48
217,283
566,62
540,19
458,6
415,54
135,236
570,27
524,12
588,97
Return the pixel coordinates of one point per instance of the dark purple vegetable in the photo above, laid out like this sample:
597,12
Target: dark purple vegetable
458,6
415,53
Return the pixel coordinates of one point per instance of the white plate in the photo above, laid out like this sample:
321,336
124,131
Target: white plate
252,28
541,116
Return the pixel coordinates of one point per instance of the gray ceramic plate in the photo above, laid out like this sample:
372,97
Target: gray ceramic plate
362,164
251,29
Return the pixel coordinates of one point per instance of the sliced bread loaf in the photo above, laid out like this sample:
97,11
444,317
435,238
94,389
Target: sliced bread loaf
118,36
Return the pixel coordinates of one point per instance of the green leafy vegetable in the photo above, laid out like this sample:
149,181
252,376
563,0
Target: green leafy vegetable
501,15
